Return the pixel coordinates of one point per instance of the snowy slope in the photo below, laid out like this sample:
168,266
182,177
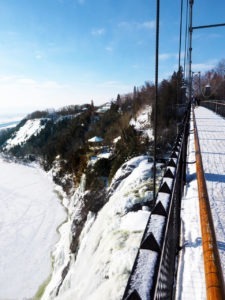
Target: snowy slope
142,121
31,127
109,241
30,215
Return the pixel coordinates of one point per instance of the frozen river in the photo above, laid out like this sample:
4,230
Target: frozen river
30,214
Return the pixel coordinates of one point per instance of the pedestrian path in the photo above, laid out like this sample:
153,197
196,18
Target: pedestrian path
211,129
190,275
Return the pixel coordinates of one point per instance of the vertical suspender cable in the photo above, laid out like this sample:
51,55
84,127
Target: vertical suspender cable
185,44
181,23
191,2
156,96
179,74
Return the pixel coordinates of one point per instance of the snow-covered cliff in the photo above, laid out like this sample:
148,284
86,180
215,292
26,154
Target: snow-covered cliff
108,242
29,129
97,248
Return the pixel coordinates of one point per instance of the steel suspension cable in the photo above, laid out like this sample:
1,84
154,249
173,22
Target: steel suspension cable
180,37
191,2
185,44
179,74
156,96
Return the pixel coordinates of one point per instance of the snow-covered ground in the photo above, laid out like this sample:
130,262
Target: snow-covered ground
30,214
142,121
211,129
31,127
191,278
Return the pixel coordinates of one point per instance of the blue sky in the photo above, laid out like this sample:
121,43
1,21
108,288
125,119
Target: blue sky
60,52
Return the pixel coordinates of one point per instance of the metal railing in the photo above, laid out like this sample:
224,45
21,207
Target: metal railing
218,106
152,276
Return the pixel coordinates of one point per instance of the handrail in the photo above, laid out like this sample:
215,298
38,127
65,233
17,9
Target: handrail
166,271
217,106
215,288
218,102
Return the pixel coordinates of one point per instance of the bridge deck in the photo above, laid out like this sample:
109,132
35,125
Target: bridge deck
211,130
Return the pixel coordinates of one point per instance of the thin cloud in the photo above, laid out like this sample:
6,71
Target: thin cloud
6,79
215,36
114,84
38,55
109,49
26,81
20,81
44,94
146,25
81,1
98,32
165,56
204,67
207,36
135,66
149,25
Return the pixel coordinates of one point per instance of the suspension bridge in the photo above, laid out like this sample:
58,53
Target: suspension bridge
182,252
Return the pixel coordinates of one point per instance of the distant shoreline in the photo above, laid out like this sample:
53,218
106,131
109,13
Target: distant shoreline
10,120
8,124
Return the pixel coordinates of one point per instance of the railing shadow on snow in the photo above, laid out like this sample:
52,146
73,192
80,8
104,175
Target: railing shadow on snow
152,275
